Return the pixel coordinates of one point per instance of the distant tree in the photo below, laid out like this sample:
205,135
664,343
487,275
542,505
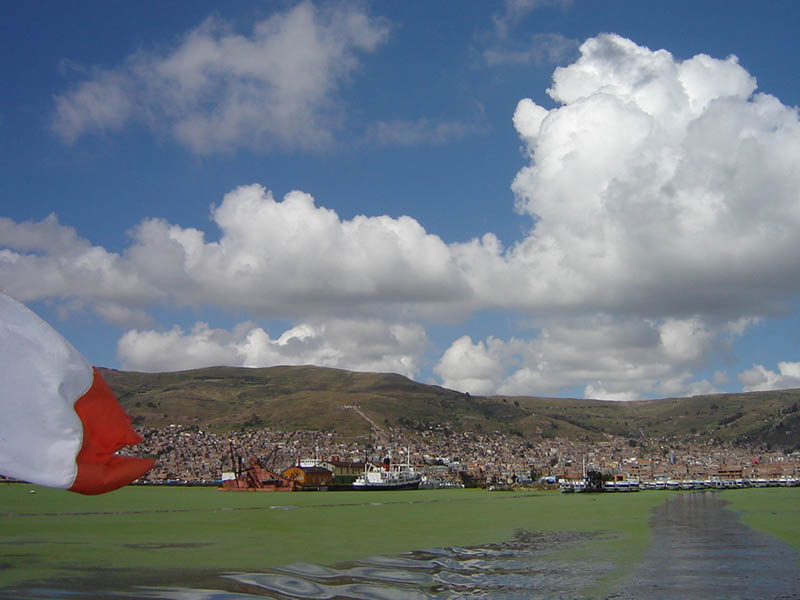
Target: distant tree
253,421
594,481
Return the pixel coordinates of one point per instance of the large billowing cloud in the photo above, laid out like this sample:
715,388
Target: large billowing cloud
664,200
662,190
286,258
657,186
293,258
219,90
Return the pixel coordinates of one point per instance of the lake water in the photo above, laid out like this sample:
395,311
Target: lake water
699,550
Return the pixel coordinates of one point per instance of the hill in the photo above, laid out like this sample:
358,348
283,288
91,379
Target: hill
351,403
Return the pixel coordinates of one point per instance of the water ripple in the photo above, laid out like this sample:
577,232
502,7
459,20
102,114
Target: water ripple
509,570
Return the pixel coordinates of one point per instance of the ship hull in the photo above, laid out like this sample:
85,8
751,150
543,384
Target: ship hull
406,485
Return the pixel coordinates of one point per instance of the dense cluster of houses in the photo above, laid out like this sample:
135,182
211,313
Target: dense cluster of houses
190,455
481,458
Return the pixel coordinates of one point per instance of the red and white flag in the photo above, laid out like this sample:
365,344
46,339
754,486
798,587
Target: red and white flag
60,424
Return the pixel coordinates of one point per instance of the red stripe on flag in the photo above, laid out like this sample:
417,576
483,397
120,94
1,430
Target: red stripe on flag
106,429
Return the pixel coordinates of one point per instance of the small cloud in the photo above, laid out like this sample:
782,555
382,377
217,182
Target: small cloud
123,316
421,132
514,11
720,378
759,378
503,46
737,327
597,392
472,368
541,49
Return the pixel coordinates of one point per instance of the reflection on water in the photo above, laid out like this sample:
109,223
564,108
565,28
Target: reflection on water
699,550
508,570
519,569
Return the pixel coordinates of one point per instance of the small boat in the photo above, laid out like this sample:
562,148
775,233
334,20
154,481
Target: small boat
570,486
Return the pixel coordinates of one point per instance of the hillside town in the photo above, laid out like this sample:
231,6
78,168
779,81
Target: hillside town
188,455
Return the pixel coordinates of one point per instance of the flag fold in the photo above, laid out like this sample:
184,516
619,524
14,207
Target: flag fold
60,424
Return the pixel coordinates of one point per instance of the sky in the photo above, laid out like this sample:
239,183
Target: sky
531,197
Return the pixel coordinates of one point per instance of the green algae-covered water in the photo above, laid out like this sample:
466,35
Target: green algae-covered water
203,543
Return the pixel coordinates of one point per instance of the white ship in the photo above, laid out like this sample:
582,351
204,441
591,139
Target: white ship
392,476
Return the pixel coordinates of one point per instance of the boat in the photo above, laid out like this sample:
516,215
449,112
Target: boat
569,486
391,476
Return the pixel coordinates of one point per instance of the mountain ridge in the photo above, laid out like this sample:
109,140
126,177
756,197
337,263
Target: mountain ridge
352,403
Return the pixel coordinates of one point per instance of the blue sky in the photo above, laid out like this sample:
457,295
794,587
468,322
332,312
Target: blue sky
530,197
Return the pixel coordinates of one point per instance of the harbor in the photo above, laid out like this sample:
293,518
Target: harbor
187,455
584,485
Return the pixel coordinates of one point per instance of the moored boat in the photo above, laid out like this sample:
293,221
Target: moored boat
392,476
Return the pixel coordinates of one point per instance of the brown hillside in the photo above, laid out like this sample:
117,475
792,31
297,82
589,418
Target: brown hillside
316,398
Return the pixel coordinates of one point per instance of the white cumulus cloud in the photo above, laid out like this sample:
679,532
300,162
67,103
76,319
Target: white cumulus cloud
219,90
293,257
288,258
46,259
359,345
608,358
759,378
472,368
658,186
662,195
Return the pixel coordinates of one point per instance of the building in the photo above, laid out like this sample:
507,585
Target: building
344,472
309,478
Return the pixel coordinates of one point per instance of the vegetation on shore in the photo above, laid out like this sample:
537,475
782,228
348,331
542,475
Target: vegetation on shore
188,536
775,511
169,533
